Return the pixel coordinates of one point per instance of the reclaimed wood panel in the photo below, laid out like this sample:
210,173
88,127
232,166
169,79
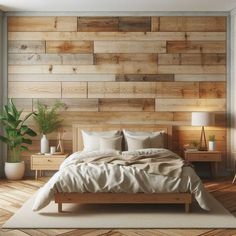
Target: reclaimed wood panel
212,89
140,78
193,23
123,104
97,24
121,90
192,59
119,58
61,77
191,69
129,47
120,36
196,47
42,24
69,47
200,77
34,89
26,46
71,104
127,68
135,24
177,90
139,70
74,89
212,105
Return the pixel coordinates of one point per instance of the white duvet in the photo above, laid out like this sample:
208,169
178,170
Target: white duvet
76,176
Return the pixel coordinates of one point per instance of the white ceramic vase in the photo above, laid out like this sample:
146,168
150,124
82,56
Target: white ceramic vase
44,144
211,145
14,171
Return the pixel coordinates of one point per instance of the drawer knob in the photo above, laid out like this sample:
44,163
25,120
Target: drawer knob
49,160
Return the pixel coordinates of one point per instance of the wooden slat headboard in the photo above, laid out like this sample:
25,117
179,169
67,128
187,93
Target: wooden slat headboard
78,141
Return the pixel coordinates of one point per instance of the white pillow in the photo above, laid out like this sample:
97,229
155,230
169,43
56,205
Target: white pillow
137,142
91,139
156,138
110,143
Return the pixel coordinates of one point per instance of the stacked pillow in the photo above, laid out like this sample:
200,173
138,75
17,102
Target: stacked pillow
135,140
112,140
107,140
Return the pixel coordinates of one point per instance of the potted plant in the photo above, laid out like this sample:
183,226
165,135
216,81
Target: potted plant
16,136
212,143
47,120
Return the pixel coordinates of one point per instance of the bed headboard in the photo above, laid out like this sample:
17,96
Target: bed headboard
78,141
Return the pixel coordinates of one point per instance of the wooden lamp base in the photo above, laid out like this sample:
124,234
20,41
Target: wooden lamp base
202,143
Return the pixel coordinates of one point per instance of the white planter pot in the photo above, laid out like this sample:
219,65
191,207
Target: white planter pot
14,171
44,144
211,145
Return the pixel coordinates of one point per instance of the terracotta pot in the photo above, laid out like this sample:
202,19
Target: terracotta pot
14,171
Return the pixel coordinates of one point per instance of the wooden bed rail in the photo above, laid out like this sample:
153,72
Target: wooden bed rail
123,198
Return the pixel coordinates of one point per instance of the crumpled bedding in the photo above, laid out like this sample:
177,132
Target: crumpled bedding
144,170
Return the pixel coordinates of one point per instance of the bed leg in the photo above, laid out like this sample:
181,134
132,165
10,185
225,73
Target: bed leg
59,207
187,207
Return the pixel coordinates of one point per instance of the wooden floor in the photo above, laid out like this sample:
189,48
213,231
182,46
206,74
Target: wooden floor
14,194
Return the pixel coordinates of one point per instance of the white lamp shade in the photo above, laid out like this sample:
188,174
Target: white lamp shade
202,118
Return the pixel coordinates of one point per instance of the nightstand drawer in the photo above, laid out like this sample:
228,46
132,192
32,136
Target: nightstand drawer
208,157
46,163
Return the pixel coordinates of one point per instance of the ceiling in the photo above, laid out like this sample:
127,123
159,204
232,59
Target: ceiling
117,5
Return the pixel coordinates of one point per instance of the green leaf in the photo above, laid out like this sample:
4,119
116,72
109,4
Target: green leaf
23,148
27,141
4,139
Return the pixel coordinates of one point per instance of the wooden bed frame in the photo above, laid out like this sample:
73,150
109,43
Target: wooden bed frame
121,198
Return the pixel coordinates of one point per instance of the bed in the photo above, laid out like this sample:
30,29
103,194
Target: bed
86,197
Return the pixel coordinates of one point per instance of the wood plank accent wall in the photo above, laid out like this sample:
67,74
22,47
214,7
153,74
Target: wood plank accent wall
154,70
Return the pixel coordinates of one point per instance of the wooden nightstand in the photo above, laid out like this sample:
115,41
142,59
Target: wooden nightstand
46,162
214,157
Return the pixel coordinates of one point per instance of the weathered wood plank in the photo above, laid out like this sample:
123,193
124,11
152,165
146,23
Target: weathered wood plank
97,24
119,58
54,59
191,69
42,24
72,105
213,105
200,77
34,89
177,90
212,89
135,24
69,47
155,23
193,23
61,77
127,68
74,89
34,59
122,104
118,36
192,59
140,78
129,47
196,47
121,90
26,46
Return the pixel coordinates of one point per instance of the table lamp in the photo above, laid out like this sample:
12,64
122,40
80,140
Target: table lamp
202,119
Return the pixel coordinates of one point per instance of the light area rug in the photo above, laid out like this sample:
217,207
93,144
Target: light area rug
122,216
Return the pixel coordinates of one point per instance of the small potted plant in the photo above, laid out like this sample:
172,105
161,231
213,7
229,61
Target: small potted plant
16,137
212,143
47,120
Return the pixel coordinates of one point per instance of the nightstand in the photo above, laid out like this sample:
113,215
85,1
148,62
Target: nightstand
46,162
213,157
